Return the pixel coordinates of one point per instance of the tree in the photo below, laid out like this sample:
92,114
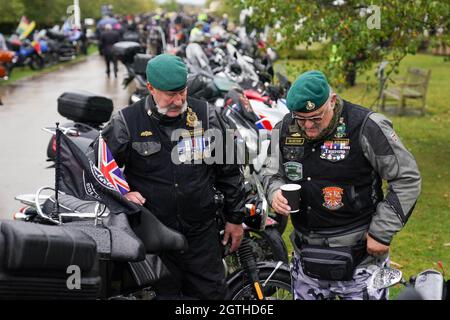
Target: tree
11,11
355,33
46,12
132,6
170,6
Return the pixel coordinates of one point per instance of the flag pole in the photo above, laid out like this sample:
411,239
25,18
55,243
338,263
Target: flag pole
57,165
99,153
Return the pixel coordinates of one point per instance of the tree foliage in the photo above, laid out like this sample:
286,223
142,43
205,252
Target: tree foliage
47,12
348,29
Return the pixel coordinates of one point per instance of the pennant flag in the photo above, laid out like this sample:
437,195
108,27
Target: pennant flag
80,177
109,168
264,123
25,27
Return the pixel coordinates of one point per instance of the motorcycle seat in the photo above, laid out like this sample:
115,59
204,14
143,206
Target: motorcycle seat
155,235
115,240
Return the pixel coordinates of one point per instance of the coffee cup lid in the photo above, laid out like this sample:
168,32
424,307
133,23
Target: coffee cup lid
290,187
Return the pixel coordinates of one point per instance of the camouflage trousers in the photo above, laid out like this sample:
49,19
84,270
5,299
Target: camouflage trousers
307,288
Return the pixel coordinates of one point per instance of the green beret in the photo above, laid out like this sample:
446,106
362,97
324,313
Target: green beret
167,72
309,92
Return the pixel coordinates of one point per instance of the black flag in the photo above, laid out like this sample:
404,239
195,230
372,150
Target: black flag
80,178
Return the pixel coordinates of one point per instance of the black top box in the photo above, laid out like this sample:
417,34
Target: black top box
126,50
140,63
86,107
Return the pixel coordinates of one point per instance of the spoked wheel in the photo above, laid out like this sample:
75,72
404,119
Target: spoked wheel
36,62
268,245
278,287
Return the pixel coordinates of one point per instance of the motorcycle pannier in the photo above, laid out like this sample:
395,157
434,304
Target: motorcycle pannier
37,261
126,50
140,63
81,106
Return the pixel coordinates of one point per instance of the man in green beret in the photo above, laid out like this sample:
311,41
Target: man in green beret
179,191
339,153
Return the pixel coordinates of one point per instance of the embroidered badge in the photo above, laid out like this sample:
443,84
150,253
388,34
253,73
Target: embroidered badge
296,135
146,134
295,141
310,105
333,198
335,150
293,170
191,118
341,128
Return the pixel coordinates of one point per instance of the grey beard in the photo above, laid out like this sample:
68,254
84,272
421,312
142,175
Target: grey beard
164,111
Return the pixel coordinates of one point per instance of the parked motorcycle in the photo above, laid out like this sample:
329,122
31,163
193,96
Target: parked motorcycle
7,59
120,254
115,254
26,54
88,113
427,285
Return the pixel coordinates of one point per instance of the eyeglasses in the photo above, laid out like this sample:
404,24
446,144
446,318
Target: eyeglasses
173,94
315,119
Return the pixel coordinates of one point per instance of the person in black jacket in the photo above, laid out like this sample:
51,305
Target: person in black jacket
339,153
143,138
107,39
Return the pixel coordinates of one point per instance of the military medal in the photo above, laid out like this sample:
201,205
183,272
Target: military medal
181,151
335,150
207,147
191,118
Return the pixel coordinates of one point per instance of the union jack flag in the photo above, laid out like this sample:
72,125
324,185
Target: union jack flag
264,123
110,169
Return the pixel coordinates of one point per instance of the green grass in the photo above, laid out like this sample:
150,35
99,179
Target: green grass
22,73
425,239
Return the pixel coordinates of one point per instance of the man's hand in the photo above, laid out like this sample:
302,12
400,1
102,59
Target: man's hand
280,204
236,231
374,248
135,197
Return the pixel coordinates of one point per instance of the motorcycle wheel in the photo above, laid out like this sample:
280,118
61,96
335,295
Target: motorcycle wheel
277,288
36,62
270,245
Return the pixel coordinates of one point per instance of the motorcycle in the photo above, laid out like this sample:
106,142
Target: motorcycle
7,60
65,49
26,54
427,285
116,255
132,56
121,253
88,113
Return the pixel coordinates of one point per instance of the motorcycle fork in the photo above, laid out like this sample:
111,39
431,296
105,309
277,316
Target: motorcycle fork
248,262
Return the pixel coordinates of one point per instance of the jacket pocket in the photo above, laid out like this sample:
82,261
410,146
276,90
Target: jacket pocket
146,148
292,153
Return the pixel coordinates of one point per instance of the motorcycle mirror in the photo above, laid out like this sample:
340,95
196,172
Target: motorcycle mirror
384,278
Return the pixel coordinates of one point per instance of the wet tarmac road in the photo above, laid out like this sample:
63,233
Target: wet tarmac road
32,104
